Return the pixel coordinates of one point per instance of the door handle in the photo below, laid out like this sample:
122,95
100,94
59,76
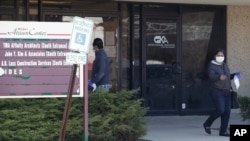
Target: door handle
176,68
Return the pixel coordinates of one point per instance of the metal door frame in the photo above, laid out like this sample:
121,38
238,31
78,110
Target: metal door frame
143,61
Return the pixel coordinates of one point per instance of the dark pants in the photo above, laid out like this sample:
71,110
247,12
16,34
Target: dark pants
222,102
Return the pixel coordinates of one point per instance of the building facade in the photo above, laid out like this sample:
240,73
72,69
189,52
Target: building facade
162,48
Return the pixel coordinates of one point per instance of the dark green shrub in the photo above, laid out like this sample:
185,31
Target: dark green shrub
30,119
244,107
117,116
112,116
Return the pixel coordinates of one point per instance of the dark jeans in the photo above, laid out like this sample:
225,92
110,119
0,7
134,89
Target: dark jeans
222,102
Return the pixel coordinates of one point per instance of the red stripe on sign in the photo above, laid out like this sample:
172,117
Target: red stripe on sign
58,34
2,33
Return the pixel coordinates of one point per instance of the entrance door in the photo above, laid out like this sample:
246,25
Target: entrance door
172,46
161,68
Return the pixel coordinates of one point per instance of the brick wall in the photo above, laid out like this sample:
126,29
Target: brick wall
238,44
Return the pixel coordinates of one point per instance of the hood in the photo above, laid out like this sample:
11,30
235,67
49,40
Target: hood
214,62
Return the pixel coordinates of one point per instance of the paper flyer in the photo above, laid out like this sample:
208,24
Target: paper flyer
236,82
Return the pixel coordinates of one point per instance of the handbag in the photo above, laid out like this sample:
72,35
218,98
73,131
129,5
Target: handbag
234,100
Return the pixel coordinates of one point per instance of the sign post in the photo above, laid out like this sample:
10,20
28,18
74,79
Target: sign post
68,103
86,105
79,45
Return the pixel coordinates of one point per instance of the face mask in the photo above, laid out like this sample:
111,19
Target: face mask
219,59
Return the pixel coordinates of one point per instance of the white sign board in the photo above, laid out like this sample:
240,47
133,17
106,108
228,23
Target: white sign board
81,34
76,58
35,30
32,60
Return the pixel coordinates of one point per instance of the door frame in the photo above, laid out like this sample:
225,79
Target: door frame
144,18
153,10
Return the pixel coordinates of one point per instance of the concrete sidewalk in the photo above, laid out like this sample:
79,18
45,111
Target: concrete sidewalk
186,128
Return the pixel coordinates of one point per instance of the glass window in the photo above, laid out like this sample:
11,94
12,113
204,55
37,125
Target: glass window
7,10
196,35
125,54
106,28
136,47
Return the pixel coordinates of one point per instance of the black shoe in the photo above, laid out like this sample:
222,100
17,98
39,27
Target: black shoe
226,134
207,129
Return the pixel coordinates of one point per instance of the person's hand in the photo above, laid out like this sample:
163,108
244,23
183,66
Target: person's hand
237,74
223,77
92,86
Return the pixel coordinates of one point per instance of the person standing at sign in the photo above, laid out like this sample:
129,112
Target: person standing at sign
100,70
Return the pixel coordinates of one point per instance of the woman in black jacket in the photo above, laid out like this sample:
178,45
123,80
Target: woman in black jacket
220,85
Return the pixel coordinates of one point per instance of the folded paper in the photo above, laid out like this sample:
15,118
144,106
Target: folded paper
236,82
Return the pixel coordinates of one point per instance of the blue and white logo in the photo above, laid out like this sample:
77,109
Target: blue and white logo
80,38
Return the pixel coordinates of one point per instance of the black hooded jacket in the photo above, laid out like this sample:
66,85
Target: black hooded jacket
215,71
100,71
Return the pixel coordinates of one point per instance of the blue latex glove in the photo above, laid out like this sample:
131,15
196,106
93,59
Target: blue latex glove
92,86
237,74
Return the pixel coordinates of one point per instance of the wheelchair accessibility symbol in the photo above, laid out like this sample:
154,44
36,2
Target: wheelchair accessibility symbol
80,38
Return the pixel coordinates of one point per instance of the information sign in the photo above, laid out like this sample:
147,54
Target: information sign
76,58
81,34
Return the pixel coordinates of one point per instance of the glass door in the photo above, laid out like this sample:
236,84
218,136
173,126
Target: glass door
172,45
197,29
161,64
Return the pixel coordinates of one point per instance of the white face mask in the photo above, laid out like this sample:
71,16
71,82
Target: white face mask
219,59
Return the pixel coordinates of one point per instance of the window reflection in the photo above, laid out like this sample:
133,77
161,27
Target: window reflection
106,29
161,41
197,28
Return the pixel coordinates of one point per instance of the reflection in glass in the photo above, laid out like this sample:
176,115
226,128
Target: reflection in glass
161,41
161,47
197,28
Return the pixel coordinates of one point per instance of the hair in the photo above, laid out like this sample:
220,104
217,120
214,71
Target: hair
98,42
218,50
